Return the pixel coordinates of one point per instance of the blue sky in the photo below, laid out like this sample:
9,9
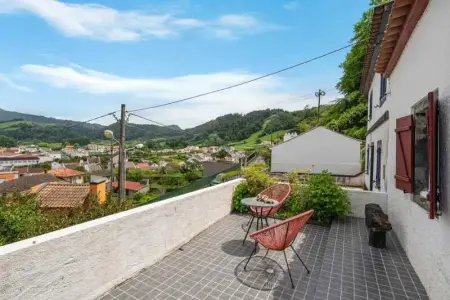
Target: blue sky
78,59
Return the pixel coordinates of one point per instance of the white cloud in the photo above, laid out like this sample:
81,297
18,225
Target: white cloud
271,92
105,23
12,84
291,5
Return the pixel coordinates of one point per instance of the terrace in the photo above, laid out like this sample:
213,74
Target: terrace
190,247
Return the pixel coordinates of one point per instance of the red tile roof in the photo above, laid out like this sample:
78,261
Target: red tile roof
144,166
130,185
63,195
62,172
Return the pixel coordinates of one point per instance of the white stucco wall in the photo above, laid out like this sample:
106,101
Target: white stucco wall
84,261
423,67
360,198
318,149
381,133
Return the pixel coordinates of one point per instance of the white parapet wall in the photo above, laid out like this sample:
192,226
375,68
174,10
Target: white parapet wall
360,198
83,261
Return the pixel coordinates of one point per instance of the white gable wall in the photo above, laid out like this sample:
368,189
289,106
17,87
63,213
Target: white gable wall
423,67
319,149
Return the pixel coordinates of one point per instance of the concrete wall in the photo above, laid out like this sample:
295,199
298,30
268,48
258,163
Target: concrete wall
360,198
423,67
84,261
318,149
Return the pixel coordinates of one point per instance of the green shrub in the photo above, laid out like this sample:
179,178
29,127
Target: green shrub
295,204
326,197
20,218
230,174
256,179
240,192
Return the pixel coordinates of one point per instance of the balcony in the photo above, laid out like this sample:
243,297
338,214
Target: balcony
190,247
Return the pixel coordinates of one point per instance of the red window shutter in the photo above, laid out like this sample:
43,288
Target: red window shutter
432,154
404,154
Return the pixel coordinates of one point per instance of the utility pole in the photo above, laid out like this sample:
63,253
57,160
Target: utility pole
319,93
111,165
122,170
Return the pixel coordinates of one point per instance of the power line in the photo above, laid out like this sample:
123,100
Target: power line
158,123
96,118
247,81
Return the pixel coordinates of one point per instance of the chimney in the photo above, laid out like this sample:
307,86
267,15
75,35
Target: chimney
98,188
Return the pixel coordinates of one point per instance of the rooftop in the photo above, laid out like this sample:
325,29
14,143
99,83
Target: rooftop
342,264
63,195
130,185
65,172
25,183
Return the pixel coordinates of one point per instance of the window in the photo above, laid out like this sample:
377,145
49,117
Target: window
383,85
370,104
378,171
416,154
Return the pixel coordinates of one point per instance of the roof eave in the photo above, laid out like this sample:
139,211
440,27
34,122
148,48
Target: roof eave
378,26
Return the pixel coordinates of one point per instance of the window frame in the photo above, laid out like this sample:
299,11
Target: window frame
370,104
383,89
378,165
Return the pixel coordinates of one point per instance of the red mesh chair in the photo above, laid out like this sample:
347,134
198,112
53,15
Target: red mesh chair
279,192
280,236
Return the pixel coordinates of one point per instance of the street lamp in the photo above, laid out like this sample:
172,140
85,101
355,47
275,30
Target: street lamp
110,135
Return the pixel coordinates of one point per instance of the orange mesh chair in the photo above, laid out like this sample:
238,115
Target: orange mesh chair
279,192
280,236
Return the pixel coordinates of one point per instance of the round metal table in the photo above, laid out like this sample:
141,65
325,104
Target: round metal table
259,208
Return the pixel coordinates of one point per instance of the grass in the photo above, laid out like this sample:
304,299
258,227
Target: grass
9,125
250,143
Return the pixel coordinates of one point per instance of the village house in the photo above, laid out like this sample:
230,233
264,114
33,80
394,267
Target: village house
7,174
406,78
132,187
64,196
25,184
10,159
318,149
69,175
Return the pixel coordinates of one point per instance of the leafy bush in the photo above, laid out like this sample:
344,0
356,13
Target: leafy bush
230,174
20,218
256,179
295,204
240,192
326,197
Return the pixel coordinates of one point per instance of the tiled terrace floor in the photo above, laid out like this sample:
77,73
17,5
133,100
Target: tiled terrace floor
342,266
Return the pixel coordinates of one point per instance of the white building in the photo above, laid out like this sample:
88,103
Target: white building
8,159
288,136
413,160
317,150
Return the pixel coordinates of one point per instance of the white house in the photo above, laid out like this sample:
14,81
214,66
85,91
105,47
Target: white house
288,136
407,79
317,150
9,159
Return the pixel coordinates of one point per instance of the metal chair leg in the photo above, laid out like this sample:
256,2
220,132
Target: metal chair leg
248,229
253,252
267,222
307,270
289,270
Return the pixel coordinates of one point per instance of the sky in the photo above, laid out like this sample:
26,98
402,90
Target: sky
78,60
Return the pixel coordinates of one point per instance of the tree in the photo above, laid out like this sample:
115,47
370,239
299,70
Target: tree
222,153
6,141
258,141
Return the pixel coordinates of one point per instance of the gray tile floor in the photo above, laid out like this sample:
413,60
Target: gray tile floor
342,266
